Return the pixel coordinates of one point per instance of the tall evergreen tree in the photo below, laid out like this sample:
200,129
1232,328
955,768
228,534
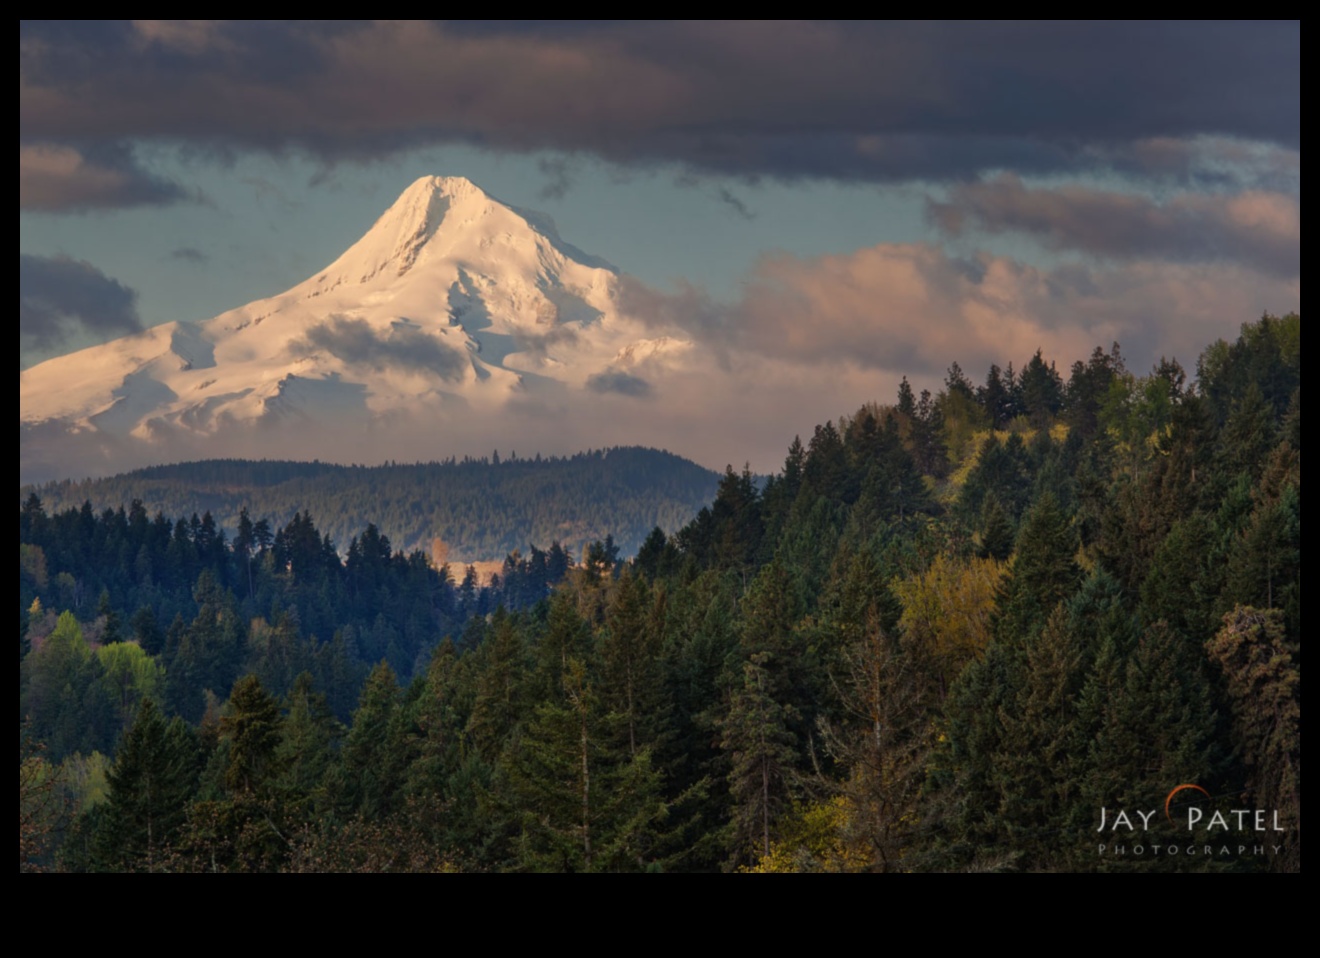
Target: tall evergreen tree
582,806
761,749
1044,572
149,786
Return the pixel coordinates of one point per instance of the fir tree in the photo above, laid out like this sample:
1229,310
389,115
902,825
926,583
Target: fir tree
150,786
1043,573
755,735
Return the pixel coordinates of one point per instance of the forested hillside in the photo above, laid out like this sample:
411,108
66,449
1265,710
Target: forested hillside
482,509
984,630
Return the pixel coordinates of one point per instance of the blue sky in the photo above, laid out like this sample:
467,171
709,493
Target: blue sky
850,201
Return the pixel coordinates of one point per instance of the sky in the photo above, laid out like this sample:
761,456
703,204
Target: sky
827,205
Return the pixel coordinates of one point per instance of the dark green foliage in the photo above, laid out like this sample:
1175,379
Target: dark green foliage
1089,388
146,631
658,557
628,650
1159,726
1002,472
253,730
997,534
1267,356
998,397
1042,391
500,687
581,805
1044,572
762,753
1185,579
63,696
1292,425
1265,560
1249,433
309,735
376,750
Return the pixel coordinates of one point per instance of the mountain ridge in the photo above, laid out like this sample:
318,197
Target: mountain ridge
482,509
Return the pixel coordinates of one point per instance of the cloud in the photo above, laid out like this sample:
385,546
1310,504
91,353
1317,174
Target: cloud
539,344
189,254
1207,161
558,177
620,383
1258,229
355,341
913,309
854,100
62,300
731,200
55,178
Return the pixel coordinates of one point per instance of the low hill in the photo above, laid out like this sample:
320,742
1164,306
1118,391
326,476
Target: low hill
481,509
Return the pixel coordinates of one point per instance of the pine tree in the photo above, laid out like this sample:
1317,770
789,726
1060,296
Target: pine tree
581,805
1043,573
150,786
309,736
762,753
1159,727
501,672
629,654
881,746
376,750
996,531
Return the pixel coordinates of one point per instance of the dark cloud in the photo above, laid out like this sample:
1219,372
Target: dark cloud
620,383
1262,230
860,100
60,178
558,177
189,254
731,200
355,341
62,299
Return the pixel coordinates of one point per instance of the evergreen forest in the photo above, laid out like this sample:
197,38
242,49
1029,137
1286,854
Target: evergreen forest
479,509
1044,621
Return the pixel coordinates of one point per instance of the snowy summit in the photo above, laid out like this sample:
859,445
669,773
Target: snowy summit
452,308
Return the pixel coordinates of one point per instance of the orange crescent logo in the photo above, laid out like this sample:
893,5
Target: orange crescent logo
1181,788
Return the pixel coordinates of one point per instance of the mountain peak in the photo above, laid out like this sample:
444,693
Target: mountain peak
396,239
453,187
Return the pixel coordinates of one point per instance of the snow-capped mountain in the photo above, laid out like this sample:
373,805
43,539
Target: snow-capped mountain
452,310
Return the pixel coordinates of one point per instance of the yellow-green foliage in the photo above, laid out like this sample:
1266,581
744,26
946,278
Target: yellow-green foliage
84,777
964,464
815,838
130,676
947,610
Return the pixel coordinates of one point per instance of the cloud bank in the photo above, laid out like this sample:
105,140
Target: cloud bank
1256,228
62,300
877,101
354,341
914,308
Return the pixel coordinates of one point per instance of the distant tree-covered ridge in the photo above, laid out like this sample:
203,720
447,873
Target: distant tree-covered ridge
482,509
